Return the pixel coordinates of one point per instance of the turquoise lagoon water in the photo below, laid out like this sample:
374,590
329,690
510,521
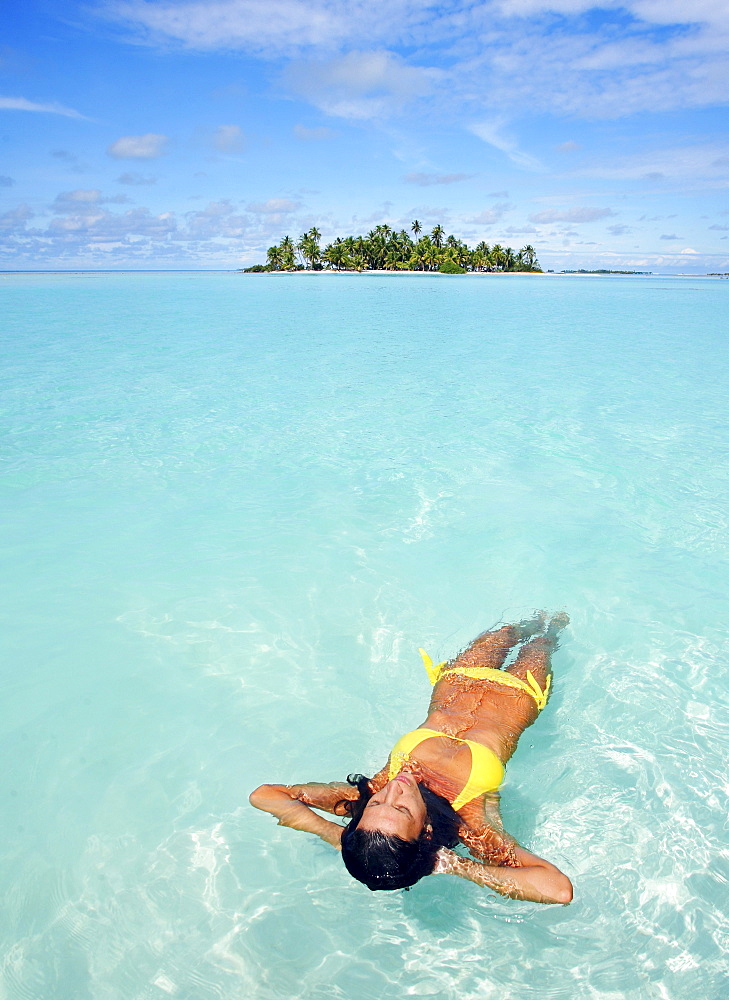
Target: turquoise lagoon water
234,506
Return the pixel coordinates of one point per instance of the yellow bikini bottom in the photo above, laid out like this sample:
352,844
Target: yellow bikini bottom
436,672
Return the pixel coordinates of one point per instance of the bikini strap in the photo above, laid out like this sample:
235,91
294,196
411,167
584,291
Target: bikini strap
432,671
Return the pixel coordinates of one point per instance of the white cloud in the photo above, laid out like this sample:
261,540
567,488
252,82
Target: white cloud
274,206
228,138
313,134
571,215
84,230
279,27
491,132
217,219
706,161
595,59
132,177
85,200
360,85
234,24
21,104
16,218
138,147
82,196
490,215
427,180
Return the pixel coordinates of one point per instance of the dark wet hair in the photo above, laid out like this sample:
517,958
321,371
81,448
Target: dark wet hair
383,861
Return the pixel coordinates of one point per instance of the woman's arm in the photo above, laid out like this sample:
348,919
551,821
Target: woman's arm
292,806
535,879
484,835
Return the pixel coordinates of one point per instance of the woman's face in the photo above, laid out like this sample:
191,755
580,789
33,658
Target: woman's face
397,809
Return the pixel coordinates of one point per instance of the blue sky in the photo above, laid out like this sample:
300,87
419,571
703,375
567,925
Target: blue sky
195,133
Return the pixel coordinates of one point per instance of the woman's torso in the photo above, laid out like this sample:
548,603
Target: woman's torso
466,709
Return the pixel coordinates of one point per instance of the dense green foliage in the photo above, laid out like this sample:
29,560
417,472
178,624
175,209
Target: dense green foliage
450,267
384,247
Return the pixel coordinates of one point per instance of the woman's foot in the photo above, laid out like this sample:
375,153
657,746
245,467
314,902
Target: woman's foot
532,626
557,623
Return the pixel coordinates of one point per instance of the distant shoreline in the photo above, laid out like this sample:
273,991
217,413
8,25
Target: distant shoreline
364,273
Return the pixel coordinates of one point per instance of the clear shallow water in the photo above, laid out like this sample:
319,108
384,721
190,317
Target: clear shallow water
232,509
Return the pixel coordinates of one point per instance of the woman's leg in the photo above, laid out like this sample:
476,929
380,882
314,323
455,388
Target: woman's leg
535,655
519,710
490,648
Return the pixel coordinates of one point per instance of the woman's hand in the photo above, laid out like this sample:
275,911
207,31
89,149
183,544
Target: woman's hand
284,802
536,879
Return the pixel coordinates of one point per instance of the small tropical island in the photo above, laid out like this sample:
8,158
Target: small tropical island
387,249
603,270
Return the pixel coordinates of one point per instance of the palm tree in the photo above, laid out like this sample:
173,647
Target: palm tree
309,249
288,260
432,257
335,254
478,259
529,258
416,228
497,256
437,235
274,256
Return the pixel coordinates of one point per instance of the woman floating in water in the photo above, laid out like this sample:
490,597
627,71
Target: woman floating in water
440,786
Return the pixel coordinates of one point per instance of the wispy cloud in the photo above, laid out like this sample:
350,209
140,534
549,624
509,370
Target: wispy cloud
607,59
317,134
278,27
138,147
490,215
274,206
267,27
228,138
427,180
708,161
52,108
360,85
83,226
571,215
133,178
491,133
85,200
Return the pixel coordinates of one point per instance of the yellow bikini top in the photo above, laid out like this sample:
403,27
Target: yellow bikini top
487,771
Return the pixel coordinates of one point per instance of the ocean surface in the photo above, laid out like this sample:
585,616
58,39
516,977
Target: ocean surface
232,509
